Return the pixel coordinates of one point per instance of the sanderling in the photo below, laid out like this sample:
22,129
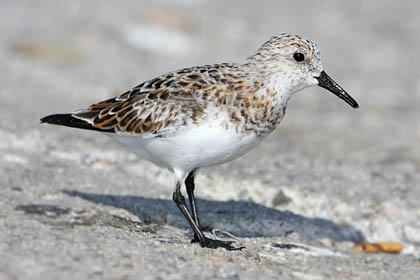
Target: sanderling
207,115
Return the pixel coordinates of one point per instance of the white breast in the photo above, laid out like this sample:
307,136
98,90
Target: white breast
194,147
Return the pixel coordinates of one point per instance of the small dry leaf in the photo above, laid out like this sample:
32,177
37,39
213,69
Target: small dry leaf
106,162
168,18
46,52
382,247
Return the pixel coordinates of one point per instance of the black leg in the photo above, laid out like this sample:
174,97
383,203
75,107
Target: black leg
190,186
204,241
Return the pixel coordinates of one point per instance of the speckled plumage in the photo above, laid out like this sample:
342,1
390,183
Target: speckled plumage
162,106
206,115
165,105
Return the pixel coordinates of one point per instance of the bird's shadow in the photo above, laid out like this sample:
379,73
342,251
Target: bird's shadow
241,218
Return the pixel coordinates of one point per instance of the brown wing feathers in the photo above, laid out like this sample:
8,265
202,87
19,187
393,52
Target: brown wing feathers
156,105
132,113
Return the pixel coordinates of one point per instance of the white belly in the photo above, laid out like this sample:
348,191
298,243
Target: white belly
194,147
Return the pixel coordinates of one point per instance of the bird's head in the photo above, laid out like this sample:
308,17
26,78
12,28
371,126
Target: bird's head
295,62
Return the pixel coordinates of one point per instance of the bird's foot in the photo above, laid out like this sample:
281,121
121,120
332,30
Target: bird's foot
214,243
195,239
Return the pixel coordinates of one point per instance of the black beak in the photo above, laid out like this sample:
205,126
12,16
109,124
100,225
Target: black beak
326,82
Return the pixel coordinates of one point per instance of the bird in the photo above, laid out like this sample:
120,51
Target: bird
207,115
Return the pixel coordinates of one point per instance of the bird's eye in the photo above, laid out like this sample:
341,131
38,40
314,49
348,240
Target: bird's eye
299,57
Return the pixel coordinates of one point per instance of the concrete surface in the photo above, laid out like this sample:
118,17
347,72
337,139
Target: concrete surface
74,205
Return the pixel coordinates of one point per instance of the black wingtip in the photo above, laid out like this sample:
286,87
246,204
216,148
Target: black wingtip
70,121
46,119
60,119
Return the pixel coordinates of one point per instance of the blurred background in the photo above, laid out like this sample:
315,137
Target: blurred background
70,54
359,167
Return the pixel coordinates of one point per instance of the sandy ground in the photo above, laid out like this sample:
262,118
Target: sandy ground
74,205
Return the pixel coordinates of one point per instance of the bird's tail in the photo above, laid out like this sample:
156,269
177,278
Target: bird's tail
69,120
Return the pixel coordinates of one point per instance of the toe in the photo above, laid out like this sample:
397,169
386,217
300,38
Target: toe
214,244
